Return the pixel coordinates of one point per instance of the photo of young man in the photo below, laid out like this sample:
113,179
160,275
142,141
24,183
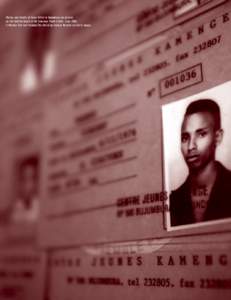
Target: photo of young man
206,193
197,159
25,207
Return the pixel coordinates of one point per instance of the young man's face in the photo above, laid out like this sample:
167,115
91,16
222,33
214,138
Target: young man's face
28,182
198,140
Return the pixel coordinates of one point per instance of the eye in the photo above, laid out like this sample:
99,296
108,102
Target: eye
184,138
202,134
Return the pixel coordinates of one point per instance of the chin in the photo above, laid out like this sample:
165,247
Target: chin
195,167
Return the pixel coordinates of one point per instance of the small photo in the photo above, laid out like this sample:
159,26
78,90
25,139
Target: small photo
25,205
197,159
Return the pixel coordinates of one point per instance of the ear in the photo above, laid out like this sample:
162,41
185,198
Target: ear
219,136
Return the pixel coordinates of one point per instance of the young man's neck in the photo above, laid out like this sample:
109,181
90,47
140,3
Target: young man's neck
205,176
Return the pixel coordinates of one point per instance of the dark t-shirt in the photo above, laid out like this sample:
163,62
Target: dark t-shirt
219,203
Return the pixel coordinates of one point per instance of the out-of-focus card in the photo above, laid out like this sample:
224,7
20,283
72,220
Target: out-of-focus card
20,203
22,273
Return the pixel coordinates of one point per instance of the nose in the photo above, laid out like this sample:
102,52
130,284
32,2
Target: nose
192,144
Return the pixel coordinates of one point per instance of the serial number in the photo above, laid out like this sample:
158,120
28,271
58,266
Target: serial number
208,44
210,283
158,282
180,78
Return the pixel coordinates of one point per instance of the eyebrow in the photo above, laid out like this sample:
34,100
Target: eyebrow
198,130
202,129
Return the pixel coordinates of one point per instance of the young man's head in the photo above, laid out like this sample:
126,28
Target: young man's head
28,179
200,133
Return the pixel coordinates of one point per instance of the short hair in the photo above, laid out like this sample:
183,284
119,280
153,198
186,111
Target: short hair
205,105
31,161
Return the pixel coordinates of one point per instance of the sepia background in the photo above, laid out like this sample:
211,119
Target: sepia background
92,98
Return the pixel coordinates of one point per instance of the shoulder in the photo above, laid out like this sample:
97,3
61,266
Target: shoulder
223,173
179,197
180,191
220,204
179,205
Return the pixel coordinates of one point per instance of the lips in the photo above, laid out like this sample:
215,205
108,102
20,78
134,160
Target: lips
192,158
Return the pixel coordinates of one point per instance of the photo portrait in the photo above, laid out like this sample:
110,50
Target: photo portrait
197,158
25,205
